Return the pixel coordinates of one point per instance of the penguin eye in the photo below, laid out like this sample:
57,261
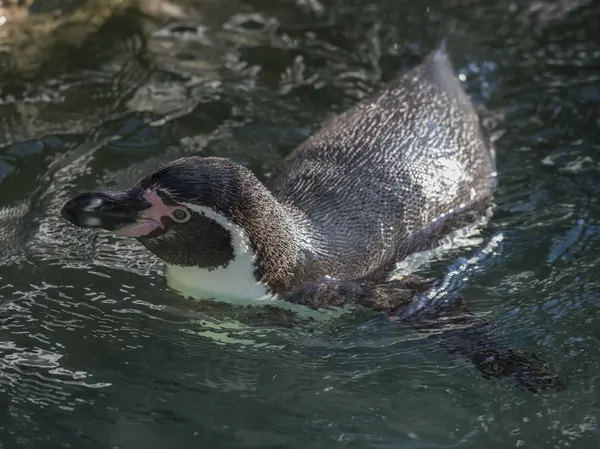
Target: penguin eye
181,215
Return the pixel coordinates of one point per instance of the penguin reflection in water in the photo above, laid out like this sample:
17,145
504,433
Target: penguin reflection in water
389,177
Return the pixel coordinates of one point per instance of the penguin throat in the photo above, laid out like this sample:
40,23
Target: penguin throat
234,282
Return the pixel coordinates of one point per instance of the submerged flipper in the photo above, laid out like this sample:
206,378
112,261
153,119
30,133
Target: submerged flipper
327,293
449,323
463,334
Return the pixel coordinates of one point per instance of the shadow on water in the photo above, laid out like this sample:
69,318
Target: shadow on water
95,350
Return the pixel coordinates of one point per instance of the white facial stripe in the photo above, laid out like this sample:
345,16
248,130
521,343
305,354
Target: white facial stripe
234,282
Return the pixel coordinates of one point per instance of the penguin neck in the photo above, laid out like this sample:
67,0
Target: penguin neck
270,244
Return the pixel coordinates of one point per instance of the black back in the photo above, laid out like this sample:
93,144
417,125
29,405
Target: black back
393,174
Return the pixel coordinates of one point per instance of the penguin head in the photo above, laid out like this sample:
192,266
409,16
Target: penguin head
182,211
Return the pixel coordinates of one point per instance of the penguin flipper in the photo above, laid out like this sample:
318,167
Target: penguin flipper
389,296
465,335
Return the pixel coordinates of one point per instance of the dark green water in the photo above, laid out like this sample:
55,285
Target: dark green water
95,351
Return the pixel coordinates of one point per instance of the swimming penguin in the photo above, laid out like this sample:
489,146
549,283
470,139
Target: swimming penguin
387,178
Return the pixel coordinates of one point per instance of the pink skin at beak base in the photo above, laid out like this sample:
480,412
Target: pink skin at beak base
151,218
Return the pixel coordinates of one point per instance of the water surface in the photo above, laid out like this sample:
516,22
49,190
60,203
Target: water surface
96,352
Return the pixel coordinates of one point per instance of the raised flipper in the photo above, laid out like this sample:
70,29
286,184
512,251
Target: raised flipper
328,293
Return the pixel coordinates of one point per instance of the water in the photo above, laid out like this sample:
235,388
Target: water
95,351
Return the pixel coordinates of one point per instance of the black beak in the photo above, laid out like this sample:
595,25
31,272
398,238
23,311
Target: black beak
106,210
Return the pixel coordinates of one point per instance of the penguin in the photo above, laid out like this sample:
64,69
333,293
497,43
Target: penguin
389,177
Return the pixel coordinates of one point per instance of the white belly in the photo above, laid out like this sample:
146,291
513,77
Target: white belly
229,284
238,288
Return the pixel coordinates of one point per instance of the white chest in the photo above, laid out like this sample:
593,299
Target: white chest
234,283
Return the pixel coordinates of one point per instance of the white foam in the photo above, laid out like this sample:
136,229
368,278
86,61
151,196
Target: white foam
469,235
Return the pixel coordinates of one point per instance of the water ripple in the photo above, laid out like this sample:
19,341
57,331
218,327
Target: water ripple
97,352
